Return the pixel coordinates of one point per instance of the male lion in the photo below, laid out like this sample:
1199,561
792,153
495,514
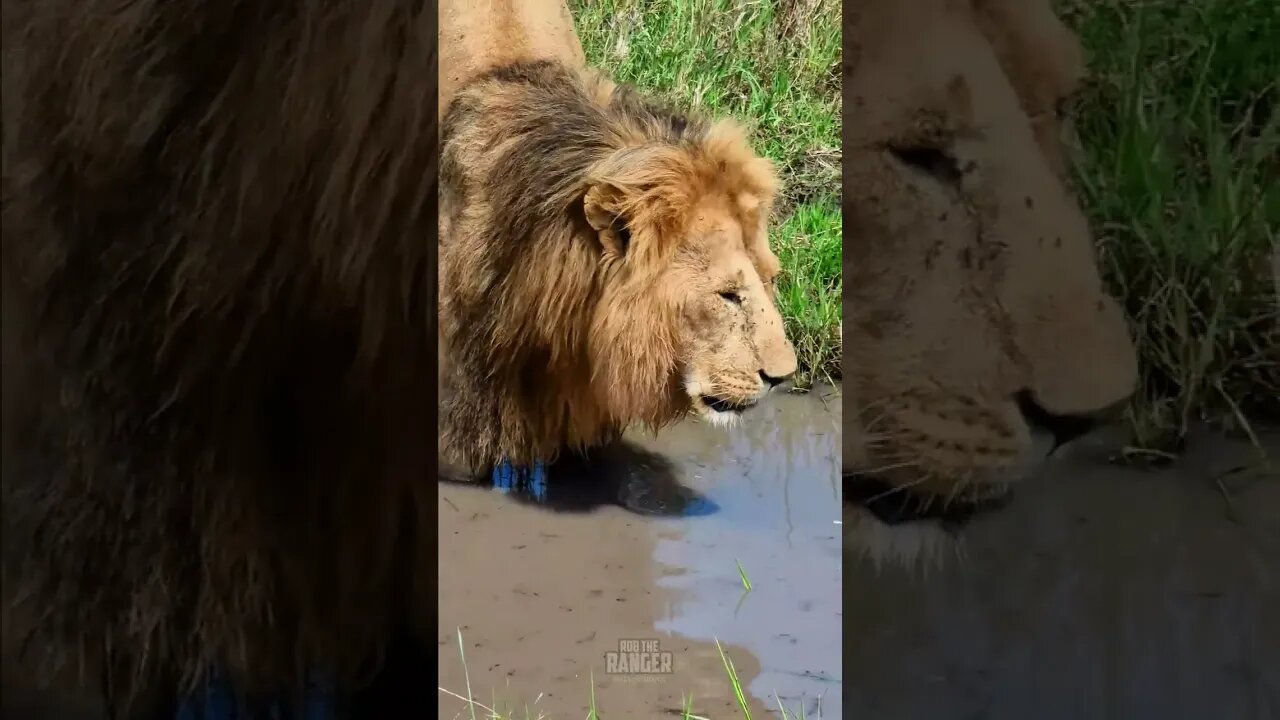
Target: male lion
604,260
980,335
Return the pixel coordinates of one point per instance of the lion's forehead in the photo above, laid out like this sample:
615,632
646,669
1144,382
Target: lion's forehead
731,243
982,47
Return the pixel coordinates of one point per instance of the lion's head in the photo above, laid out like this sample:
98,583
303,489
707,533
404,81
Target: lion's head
982,337
604,261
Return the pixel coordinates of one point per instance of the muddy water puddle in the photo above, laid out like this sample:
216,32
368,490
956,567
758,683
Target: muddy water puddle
1101,591
546,574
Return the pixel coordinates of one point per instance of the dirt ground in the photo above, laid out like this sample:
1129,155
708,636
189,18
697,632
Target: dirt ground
644,545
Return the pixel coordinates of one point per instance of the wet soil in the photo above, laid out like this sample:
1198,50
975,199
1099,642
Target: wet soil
1101,591
547,574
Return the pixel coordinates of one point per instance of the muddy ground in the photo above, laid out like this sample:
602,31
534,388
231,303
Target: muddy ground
547,576
1100,592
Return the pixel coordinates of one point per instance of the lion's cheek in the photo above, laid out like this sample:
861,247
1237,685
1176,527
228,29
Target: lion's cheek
697,337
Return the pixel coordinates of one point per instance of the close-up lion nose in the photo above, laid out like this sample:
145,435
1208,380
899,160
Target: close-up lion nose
1064,428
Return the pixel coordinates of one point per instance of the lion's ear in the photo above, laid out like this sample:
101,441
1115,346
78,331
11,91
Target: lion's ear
603,207
639,189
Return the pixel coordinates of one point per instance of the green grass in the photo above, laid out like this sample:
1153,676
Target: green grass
1181,175
746,582
732,673
1179,171
775,66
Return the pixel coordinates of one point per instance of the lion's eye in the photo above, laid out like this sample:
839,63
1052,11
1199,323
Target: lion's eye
930,160
732,297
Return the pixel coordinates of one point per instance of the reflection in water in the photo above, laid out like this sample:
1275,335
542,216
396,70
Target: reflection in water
1100,591
622,474
776,481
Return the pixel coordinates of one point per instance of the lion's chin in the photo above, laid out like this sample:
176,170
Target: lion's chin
889,524
719,412
896,505
921,545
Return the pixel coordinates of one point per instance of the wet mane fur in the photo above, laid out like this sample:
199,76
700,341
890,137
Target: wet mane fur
218,319
559,336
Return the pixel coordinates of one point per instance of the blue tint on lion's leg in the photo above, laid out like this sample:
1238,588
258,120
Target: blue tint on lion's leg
213,701
504,477
321,700
217,701
538,481
507,478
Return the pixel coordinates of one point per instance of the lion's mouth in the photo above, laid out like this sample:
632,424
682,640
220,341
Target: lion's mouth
724,406
894,506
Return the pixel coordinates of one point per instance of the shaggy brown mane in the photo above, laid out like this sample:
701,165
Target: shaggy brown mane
218,307
539,315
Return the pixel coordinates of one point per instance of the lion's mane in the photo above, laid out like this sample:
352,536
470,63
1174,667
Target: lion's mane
218,318
555,341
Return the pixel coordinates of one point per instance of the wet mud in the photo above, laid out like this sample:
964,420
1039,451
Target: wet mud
1100,591
544,574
